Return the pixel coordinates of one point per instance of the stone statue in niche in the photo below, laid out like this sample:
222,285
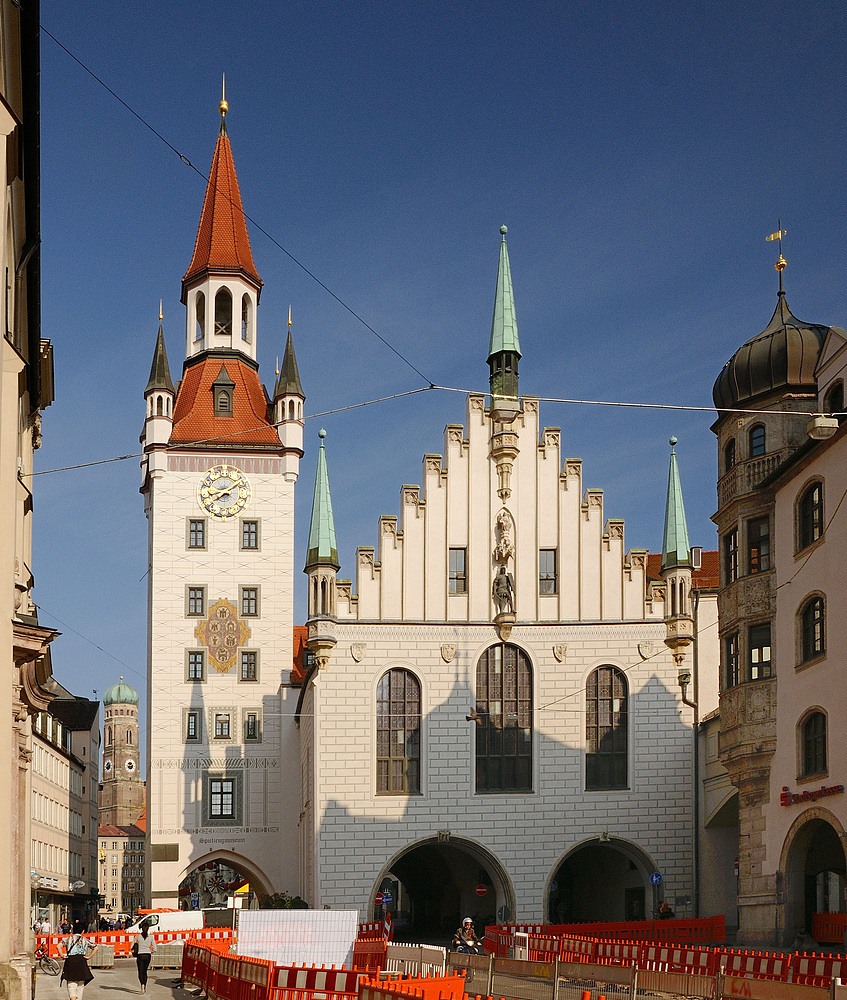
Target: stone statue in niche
504,548
503,591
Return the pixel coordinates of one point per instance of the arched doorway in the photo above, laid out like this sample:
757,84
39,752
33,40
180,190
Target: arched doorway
217,878
814,871
435,883
601,880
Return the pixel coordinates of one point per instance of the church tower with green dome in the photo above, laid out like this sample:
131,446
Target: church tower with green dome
121,790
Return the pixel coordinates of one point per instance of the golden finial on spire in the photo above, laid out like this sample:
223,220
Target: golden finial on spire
223,107
289,317
277,366
781,262
161,314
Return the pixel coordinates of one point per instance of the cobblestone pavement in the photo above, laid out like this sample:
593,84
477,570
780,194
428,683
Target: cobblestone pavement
114,984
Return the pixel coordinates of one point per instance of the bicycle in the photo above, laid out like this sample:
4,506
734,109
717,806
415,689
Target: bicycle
45,962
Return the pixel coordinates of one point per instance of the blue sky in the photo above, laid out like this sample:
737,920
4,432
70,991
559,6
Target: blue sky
639,153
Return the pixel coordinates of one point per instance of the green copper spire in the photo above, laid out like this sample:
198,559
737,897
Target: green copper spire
675,548
322,548
504,325
160,373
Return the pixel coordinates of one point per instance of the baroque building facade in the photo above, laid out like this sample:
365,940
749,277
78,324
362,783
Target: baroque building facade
26,387
780,487
220,460
502,707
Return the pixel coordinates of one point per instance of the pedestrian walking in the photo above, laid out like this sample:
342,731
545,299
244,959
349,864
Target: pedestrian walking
143,948
75,971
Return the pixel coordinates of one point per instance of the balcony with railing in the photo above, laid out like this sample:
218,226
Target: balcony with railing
746,476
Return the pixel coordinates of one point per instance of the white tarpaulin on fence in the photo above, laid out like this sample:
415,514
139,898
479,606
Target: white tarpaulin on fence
298,937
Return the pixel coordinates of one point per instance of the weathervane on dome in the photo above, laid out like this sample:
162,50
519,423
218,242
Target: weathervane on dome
781,262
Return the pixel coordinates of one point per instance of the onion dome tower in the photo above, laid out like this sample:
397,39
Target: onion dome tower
122,791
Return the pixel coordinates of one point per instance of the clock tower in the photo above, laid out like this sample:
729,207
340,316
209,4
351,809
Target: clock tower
220,460
121,788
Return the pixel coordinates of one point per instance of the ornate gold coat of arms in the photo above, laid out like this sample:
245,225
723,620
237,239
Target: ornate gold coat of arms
222,632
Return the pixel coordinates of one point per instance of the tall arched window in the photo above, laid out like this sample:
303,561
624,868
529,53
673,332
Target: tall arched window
729,455
812,638
246,313
810,515
223,313
200,316
606,738
129,737
504,712
834,402
757,440
813,740
108,736
398,733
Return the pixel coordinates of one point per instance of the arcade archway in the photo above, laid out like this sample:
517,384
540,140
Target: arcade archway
601,880
434,884
814,871
217,878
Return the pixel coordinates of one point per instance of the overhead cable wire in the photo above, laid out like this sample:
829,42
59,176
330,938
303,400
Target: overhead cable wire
231,436
254,222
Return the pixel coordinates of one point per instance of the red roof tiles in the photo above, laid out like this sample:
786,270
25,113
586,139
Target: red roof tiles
298,668
706,577
194,411
222,241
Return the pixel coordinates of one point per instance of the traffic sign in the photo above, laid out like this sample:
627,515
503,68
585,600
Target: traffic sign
378,899
387,899
656,878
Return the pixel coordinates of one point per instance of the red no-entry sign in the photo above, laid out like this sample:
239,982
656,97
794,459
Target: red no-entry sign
378,899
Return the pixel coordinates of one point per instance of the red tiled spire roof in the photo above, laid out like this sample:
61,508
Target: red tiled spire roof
222,241
194,410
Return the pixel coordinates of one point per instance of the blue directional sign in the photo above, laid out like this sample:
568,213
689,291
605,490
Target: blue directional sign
387,898
656,878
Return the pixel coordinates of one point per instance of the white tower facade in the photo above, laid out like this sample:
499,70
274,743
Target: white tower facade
218,482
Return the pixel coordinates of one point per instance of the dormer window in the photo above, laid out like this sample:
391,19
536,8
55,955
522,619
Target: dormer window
222,393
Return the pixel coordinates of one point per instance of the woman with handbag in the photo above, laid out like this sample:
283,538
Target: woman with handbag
143,949
75,971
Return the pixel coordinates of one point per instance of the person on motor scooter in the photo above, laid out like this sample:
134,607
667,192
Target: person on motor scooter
465,937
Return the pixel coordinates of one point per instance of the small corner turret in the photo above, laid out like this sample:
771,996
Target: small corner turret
322,565
676,572
288,403
158,395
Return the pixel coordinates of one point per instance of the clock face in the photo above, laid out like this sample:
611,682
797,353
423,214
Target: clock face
130,765
107,766
224,492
